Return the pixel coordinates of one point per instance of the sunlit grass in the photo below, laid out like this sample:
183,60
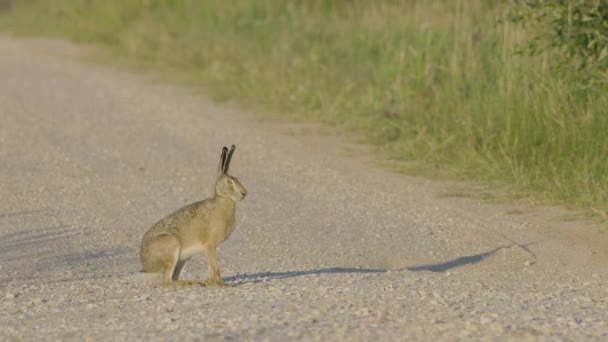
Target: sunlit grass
436,82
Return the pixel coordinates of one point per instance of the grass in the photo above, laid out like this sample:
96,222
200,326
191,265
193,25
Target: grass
436,82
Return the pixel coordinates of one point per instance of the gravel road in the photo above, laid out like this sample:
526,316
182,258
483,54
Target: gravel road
327,245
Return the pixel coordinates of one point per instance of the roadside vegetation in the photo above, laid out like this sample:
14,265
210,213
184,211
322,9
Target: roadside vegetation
508,91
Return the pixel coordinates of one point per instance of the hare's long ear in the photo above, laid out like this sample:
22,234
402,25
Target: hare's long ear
228,158
220,167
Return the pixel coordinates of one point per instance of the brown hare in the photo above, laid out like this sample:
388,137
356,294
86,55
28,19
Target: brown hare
197,227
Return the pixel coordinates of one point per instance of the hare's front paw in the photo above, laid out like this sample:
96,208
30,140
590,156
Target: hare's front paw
184,283
215,283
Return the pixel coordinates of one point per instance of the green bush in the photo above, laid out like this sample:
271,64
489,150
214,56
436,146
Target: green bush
578,29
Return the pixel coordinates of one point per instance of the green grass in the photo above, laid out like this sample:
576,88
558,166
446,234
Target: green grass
436,82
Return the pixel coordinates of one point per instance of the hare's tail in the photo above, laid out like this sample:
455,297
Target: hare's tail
143,277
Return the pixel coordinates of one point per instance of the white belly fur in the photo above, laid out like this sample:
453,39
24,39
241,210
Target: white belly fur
188,252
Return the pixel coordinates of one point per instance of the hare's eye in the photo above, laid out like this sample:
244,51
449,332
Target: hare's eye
229,181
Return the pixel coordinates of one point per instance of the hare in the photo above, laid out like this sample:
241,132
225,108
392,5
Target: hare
197,227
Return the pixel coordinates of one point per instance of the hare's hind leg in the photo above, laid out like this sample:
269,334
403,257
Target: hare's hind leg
169,267
158,252
173,268
162,255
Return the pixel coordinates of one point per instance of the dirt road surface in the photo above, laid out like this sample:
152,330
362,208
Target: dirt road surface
327,246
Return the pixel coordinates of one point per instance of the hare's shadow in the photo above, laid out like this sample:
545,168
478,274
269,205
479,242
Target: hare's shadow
253,278
444,266
241,279
471,259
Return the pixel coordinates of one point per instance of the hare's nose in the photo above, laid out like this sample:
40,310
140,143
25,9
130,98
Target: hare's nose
244,193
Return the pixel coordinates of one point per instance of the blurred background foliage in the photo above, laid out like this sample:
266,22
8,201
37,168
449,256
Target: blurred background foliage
437,83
